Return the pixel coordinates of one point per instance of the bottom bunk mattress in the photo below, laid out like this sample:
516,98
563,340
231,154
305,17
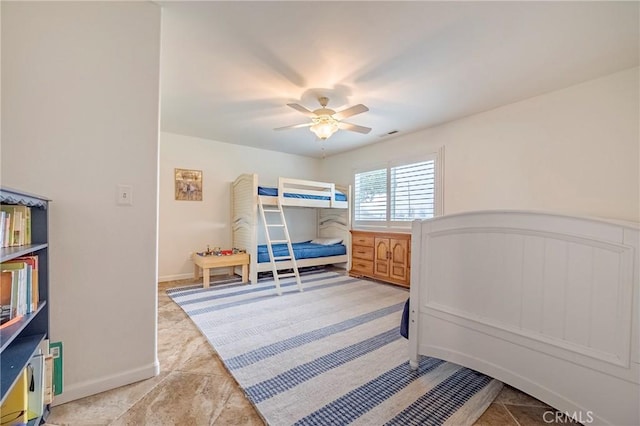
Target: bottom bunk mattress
304,250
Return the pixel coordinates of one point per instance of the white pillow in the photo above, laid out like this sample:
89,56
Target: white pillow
326,241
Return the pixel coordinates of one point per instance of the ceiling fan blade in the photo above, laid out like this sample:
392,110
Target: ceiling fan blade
295,126
302,109
354,127
356,109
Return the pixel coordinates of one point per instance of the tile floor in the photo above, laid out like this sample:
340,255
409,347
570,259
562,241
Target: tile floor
194,388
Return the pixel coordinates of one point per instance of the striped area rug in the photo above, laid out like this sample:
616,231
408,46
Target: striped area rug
332,354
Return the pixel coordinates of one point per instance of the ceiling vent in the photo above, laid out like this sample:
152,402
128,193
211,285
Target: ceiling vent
393,132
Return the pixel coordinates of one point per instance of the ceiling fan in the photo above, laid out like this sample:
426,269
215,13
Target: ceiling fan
325,121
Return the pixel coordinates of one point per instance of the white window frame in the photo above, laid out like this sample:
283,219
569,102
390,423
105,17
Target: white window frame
387,224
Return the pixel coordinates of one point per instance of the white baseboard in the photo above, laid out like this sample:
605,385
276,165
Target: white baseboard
92,387
186,276
174,277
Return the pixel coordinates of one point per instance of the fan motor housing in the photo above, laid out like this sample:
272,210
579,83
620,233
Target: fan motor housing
324,111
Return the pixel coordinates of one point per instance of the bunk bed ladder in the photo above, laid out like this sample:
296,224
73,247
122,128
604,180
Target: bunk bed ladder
274,260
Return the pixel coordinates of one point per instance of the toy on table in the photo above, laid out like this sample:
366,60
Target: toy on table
216,251
210,252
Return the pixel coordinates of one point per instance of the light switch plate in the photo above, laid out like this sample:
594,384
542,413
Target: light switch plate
125,195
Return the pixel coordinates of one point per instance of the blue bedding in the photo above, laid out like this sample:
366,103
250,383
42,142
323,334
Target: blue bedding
305,250
273,192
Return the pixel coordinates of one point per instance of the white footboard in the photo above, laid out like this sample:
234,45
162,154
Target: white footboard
546,303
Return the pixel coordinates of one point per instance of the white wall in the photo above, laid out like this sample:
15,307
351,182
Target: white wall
188,226
80,115
573,151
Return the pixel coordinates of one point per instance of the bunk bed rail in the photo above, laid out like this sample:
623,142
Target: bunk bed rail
311,189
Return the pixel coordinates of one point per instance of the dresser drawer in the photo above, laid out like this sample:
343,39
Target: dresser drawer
362,266
362,241
361,252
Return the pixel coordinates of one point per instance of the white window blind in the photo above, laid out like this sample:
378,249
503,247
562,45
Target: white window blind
398,193
371,195
412,191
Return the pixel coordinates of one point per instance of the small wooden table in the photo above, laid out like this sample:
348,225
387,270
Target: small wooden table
207,262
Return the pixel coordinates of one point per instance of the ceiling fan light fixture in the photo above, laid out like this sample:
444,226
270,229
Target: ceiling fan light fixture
324,126
325,122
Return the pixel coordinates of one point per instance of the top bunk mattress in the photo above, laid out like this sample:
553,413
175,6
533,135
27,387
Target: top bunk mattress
273,192
305,250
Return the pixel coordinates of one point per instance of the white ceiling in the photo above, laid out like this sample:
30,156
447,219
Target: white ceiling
228,69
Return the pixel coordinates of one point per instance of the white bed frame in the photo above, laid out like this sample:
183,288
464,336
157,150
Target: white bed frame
543,302
334,217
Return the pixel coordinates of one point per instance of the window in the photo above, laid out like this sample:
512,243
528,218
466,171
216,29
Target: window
396,194
371,195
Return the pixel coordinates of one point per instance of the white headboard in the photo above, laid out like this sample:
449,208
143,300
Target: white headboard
545,302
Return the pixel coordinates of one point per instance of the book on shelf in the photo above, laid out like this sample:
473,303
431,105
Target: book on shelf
16,222
17,227
47,391
3,218
48,379
55,349
26,399
19,293
6,283
14,407
36,386
14,226
16,270
32,280
6,229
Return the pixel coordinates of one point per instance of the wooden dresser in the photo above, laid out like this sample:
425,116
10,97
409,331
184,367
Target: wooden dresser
385,256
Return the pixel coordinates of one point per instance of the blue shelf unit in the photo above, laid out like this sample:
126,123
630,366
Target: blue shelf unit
20,340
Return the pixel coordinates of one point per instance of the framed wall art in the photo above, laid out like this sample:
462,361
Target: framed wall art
188,185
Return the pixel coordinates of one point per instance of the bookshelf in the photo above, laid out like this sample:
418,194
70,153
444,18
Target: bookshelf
20,339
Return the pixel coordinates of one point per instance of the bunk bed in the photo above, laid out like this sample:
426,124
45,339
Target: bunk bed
331,246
